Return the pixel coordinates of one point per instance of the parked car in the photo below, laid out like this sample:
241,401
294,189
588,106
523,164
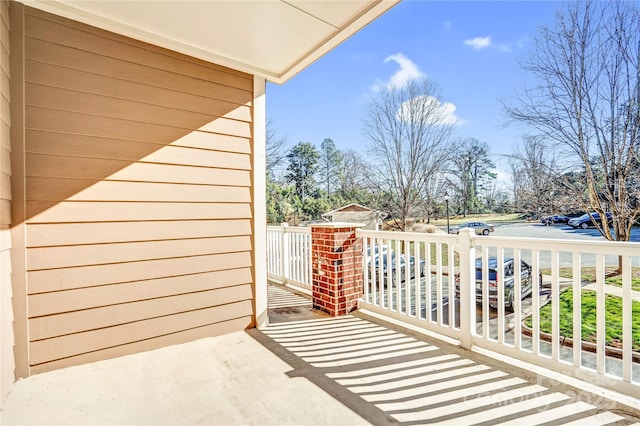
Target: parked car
480,228
376,250
401,262
587,220
526,282
556,218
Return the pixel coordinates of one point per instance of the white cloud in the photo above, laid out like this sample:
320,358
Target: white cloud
478,42
447,25
408,70
438,113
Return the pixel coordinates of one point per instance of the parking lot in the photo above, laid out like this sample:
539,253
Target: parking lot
557,231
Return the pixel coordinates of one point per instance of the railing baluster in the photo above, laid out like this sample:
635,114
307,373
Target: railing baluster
500,283
535,303
439,283
577,310
517,298
600,315
427,281
627,323
451,285
407,279
555,306
418,280
485,291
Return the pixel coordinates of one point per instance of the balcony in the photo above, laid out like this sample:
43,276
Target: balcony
308,368
555,273
388,362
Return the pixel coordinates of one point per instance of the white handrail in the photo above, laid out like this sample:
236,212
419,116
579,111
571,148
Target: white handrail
289,255
443,283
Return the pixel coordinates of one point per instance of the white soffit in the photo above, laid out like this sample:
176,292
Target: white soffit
274,39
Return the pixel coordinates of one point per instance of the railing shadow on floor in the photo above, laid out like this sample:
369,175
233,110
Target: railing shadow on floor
389,375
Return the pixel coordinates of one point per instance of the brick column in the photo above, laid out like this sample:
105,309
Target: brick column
337,267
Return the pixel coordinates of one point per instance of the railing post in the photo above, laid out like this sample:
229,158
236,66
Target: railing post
284,252
337,280
467,285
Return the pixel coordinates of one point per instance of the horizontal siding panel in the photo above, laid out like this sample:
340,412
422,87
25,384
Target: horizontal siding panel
225,126
54,189
5,115
88,276
199,157
75,34
65,144
5,161
216,329
70,256
42,235
4,16
51,53
38,118
91,168
5,138
147,172
89,211
5,186
109,316
66,78
5,86
106,106
214,141
4,61
74,344
94,297
5,212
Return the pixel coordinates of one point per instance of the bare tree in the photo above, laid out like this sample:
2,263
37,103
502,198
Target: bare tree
473,171
353,173
587,102
408,128
276,148
535,176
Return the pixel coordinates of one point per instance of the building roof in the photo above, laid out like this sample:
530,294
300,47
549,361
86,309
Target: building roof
274,39
353,207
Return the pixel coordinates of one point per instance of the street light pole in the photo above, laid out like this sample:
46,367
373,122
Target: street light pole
446,200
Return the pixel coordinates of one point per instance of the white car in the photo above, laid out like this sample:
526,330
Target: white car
480,228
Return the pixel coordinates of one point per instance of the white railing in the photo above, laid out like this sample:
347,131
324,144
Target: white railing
289,255
430,298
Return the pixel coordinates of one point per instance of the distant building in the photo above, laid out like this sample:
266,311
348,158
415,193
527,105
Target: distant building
358,214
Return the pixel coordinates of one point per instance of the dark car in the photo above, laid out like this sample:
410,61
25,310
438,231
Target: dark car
587,220
509,278
556,218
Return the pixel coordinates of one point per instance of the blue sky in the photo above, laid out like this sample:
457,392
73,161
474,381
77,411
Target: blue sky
471,49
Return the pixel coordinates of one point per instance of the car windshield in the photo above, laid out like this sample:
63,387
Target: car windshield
393,260
493,266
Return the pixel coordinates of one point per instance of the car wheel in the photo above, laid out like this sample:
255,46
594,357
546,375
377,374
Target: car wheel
508,305
584,225
485,232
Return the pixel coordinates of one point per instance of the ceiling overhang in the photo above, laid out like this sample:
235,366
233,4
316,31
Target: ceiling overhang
274,39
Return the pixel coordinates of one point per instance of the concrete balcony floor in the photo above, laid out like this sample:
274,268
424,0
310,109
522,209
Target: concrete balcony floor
306,368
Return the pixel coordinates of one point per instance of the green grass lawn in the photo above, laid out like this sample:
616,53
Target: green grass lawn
613,318
589,274
433,253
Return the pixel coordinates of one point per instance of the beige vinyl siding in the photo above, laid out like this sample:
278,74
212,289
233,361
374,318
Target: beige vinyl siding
138,168
6,311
